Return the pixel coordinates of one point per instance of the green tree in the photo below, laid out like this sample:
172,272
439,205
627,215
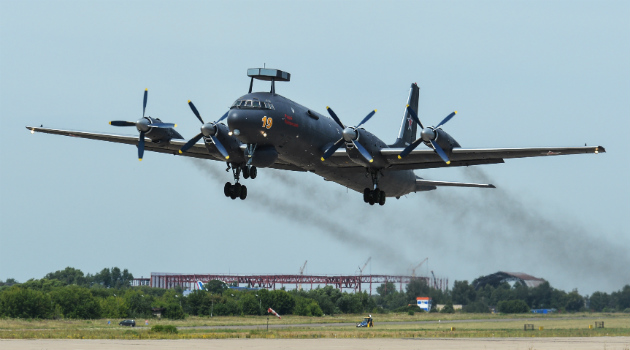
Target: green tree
513,306
250,305
216,287
114,307
350,303
68,276
138,303
448,308
574,301
282,302
463,293
25,303
307,307
77,302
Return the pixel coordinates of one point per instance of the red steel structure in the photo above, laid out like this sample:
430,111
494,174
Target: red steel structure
355,283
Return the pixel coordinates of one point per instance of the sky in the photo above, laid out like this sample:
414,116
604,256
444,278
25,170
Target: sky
520,74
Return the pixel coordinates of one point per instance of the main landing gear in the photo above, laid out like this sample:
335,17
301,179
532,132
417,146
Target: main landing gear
237,190
376,195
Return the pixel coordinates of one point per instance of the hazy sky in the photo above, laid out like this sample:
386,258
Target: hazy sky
553,73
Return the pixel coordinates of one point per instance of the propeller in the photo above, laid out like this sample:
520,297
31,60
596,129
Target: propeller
349,134
143,125
208,130
428,134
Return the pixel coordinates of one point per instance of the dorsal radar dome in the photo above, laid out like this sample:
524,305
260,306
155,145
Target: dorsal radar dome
267,74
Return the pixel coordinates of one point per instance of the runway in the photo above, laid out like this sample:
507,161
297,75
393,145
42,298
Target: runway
595,343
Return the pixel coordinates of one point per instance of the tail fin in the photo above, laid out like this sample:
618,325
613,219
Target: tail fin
408,127
200,285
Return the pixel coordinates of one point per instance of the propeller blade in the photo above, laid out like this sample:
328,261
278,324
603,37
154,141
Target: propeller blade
141,145
334,116
440,152
192,106
190,143
363,151
144,103
223,117
162,125
448,117
121,123
332,149
220,147
414,116
366,118
409,148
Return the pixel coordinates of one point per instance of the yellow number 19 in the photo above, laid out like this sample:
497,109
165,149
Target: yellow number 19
267,122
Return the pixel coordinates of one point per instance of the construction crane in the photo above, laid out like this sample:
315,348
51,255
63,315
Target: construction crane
364,265
413,269
434,280
302,273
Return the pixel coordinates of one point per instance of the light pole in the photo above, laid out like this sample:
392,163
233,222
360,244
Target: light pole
259,305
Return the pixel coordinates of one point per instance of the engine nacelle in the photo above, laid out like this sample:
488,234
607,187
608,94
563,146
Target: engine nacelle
159,135
442,138
231,143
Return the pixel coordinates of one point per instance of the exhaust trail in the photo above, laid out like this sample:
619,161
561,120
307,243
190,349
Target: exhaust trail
312,214
509,229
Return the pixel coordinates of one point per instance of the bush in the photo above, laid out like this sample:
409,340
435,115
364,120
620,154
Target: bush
448,308
476,307
158,328
411,312
513,307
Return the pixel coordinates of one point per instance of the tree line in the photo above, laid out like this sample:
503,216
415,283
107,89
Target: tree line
108,294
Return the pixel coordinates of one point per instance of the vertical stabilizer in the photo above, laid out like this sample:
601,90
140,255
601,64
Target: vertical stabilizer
408,127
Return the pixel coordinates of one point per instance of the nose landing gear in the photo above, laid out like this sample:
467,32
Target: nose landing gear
237,190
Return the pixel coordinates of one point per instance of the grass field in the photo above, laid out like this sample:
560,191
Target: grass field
386,326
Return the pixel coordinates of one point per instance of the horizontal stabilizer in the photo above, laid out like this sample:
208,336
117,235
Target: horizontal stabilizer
423,185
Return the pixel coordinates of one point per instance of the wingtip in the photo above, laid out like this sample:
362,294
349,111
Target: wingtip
323,159
491,186
180,152
399,156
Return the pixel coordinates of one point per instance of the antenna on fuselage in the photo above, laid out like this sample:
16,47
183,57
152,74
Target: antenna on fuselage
272,75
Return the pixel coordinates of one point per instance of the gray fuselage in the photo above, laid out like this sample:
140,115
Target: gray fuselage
301,136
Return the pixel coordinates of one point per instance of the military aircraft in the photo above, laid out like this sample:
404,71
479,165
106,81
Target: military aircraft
267,130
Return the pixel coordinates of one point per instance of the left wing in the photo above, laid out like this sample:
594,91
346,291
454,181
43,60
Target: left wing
173,146
427,158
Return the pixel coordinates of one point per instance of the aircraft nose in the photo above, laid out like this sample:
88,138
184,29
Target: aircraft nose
246,125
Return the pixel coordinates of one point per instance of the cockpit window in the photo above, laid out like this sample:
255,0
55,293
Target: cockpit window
252,104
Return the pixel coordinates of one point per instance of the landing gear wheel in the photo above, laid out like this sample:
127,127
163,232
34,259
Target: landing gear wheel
237,190
227,189
243,192
371,200
376,195
366,195
246,172
253,172
381,200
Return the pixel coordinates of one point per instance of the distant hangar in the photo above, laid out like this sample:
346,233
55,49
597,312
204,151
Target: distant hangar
496,279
